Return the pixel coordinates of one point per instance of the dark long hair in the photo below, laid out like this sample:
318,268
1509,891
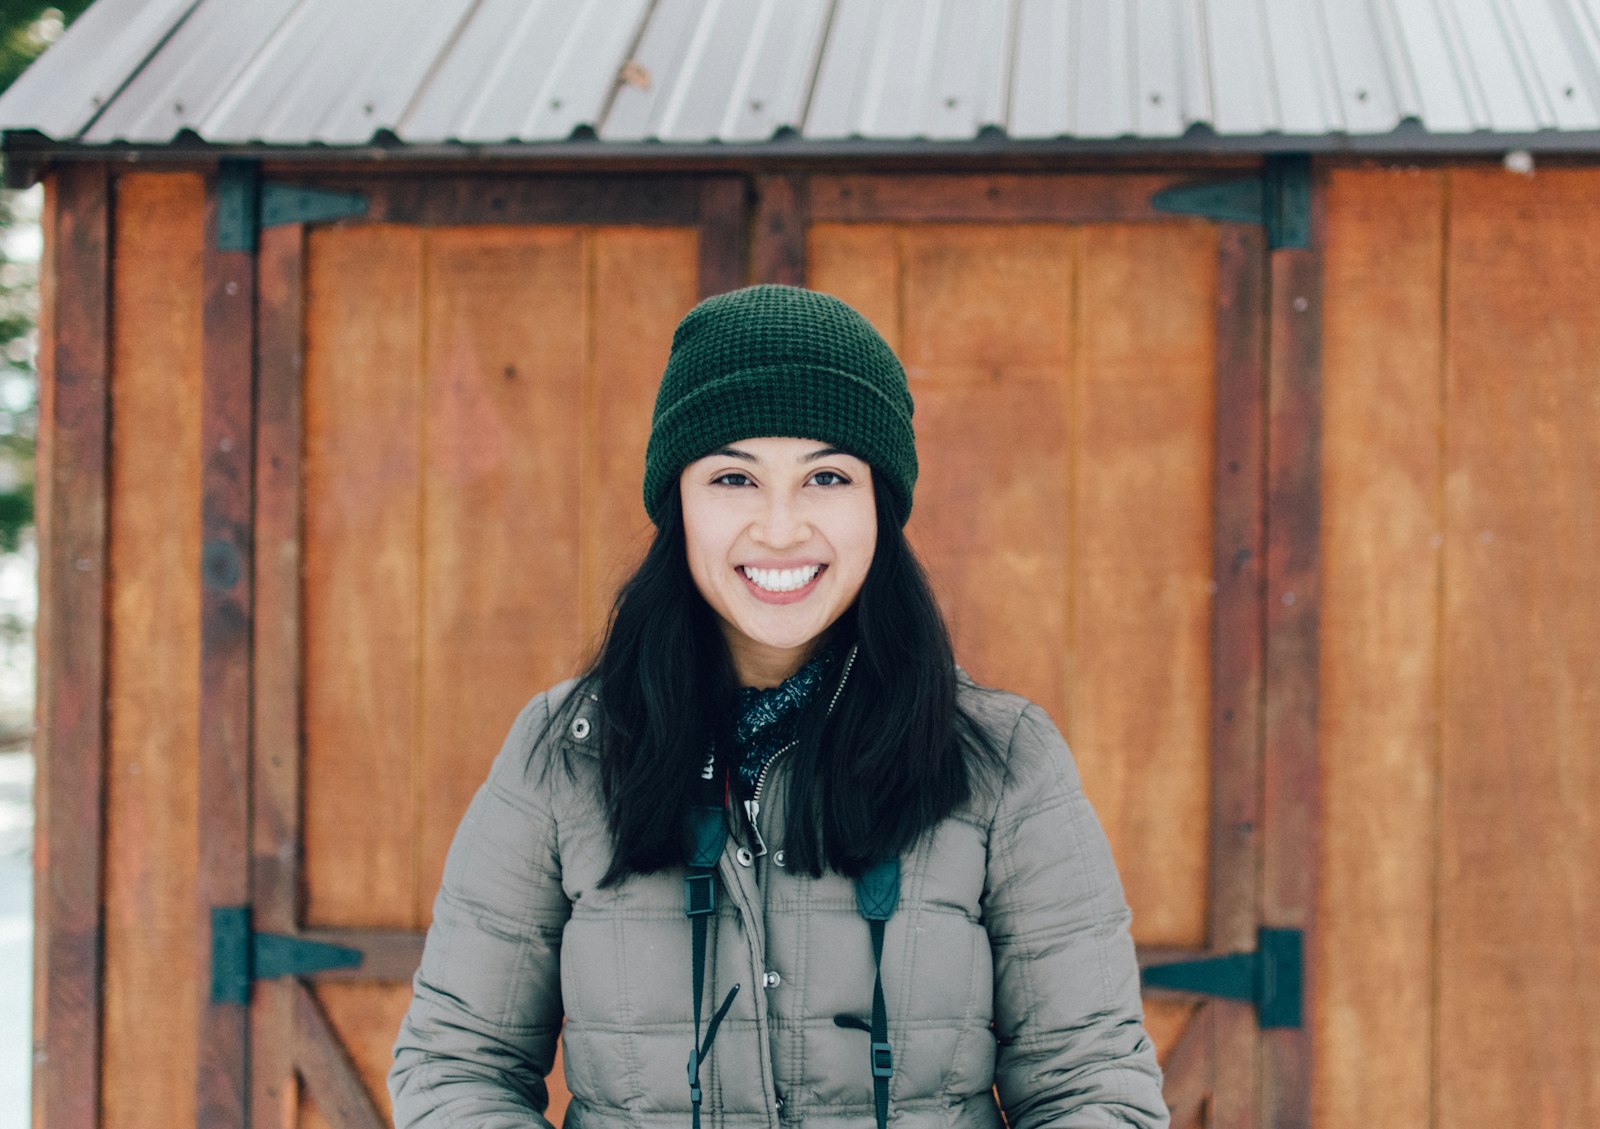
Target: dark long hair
895,756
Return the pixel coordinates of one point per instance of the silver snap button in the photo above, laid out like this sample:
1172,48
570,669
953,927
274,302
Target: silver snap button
777,858
744,856
770,980
580,728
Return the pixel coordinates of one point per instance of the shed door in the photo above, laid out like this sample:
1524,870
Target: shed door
453,400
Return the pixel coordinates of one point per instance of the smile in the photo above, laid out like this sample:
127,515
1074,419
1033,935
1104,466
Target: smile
781,579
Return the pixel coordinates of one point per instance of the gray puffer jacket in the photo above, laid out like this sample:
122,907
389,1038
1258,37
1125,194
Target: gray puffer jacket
1008,967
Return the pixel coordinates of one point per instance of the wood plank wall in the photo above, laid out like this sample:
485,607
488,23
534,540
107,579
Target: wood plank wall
154,975
1064,389
1459,911
477,403
1460,906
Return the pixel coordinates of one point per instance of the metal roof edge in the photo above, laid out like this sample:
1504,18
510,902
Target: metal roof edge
27,153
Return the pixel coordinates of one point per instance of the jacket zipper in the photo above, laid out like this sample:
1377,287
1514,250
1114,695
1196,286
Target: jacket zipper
752,806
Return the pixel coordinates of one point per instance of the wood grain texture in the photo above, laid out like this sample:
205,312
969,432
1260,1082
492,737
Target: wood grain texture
387,955
75,378
640,283
1237,645
154,975
778,245
503,375
276,751
1168,1022
724,230
1142,564
986,337
1290,768
996,198
344,1091
363,395
1379,719
520,198
1064,412
1519,841
860,263
1189,1070
227,432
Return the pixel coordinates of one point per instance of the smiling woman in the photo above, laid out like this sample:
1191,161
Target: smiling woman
780,533
774,809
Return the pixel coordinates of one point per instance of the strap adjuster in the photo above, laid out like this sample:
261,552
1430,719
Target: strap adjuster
882,1060
699,894
694,1075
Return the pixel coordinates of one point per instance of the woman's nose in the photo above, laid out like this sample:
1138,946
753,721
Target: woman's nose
780,524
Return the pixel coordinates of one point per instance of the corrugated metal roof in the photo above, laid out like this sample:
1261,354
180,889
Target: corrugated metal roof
743,73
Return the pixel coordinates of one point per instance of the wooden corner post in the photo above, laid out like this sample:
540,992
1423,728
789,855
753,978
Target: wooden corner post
1290,819
226,609
74,489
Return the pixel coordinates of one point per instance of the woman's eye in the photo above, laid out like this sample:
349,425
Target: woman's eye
829,478
732,478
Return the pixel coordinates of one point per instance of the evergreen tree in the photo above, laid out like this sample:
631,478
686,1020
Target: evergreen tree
27,27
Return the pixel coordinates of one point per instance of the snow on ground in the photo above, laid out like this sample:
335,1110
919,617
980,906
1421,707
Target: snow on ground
18,606
16,935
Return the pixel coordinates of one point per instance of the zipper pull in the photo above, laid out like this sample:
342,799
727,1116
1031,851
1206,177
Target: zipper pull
752,808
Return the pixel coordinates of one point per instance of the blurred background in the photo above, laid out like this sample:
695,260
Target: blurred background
26,29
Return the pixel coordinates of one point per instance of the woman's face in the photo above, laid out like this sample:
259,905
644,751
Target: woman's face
780,534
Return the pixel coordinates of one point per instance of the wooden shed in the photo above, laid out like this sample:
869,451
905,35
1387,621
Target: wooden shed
1256,352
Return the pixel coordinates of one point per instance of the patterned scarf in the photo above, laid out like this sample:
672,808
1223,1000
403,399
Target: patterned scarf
769,718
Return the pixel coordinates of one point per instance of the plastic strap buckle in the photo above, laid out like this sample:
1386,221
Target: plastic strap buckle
699,894
694,1075
882,1060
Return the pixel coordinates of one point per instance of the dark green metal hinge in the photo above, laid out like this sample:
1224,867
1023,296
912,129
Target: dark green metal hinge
1279,199
245,205
240,956
1270,977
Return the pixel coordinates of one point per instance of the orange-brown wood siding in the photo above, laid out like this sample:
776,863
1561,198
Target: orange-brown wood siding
1064,389
1519,833
1063,381
1460,710
1379,718
467,389
476,406
154,972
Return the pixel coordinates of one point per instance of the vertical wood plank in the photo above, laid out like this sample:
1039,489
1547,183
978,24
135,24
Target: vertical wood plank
227,434
275,878
986,339
154,974
1290,775
1519,841
1142,447
502,449
861,264
1378,725
778,251
362,576
1237,622
724,234
74,373
641,283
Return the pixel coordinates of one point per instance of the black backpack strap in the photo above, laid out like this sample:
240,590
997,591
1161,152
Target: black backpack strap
877,895
707,833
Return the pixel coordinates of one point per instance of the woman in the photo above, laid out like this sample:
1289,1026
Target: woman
773,831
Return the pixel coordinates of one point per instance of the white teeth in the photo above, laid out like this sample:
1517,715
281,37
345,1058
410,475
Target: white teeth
781,579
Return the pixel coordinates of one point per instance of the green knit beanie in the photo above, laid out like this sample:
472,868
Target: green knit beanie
780,361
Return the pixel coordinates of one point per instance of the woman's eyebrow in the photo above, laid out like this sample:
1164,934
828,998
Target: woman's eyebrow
733,453
822,453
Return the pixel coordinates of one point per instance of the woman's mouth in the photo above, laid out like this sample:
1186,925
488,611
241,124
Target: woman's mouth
780,580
